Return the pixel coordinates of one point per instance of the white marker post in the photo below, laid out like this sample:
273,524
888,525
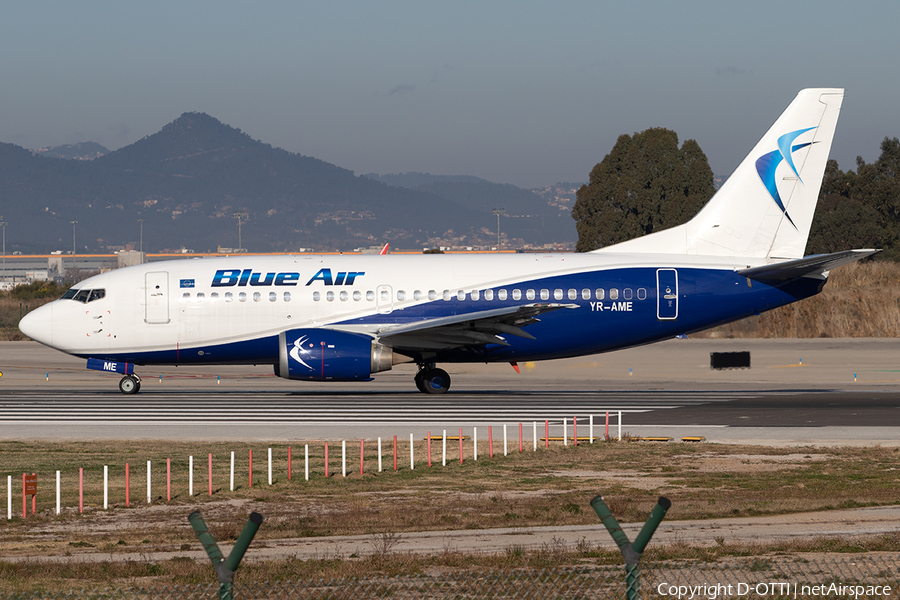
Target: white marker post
231,485
344,457
592,428
565,431
149,494
504,439
191,476
306,460
474,443
534,436
620,425
379,455
270,466
444,451
105,487
57,492
9,497
412,461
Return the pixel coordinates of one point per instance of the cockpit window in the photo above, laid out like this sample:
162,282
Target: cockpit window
84,296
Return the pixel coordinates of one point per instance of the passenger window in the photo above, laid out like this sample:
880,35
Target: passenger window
256,296
642,294
317,296
517,294
573,294
370,295
401,295
97,295
385,296
557,294
357,296
585,294
344,296
228,297
446,295
201,297
461,295
613,294
417,295
185,297
287,296
488,295
545,294
627,293
273,296
242,297
476,294
432,294
214,297
501,294
329,296
599,294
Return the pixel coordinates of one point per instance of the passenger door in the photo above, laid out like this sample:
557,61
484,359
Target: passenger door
666,294
156,297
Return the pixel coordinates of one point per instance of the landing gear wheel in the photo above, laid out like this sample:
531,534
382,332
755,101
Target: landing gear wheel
434,381
130,384
420,382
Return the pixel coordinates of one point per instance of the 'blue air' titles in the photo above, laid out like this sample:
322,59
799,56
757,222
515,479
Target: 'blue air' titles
242,278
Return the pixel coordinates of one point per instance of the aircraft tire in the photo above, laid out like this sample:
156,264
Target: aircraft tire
435,381
420,382
129,385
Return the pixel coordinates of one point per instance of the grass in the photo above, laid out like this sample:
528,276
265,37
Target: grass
549,487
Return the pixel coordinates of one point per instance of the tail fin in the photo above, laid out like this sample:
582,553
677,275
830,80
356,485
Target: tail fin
765,208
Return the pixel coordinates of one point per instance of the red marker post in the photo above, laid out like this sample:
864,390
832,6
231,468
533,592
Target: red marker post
29,488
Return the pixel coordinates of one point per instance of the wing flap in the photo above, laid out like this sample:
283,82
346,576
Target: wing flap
479,328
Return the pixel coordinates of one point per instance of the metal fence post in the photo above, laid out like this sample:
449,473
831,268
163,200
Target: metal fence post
225,567
631,552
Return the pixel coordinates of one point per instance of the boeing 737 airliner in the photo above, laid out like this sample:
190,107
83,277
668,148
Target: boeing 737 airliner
343,318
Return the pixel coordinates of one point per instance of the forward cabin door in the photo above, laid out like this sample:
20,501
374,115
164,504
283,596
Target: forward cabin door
666,294
156,297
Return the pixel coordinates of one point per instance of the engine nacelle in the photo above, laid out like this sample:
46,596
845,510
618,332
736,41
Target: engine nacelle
327,354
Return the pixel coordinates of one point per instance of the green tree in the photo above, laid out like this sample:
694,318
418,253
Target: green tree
645,184
861,209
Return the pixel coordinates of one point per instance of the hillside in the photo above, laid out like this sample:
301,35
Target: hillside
187,181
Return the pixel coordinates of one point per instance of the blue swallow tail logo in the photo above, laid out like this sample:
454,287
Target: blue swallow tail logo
768,163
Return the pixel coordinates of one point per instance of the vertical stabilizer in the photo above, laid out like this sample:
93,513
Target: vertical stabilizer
765,208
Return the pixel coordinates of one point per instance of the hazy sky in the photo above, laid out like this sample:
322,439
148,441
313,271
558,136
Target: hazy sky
520,92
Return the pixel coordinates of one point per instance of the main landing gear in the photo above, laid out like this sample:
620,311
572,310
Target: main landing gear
431,380
130,384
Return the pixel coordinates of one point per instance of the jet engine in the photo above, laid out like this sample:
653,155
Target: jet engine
330,355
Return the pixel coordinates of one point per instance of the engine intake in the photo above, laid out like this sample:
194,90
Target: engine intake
327,354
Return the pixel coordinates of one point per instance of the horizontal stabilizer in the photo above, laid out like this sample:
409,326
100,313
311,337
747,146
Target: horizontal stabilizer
816,265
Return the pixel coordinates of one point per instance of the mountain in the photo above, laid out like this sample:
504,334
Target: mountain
80,151
187,181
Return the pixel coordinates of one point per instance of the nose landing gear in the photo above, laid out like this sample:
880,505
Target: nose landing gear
431,380
130,384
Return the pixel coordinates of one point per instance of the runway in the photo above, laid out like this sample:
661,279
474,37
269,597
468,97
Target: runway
836,391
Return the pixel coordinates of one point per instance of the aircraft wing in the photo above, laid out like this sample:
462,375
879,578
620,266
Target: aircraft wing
478,328
809,266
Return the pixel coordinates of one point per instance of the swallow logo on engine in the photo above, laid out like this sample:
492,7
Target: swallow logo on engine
298,351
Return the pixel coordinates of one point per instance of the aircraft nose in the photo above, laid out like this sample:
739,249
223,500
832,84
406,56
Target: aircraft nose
37,324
